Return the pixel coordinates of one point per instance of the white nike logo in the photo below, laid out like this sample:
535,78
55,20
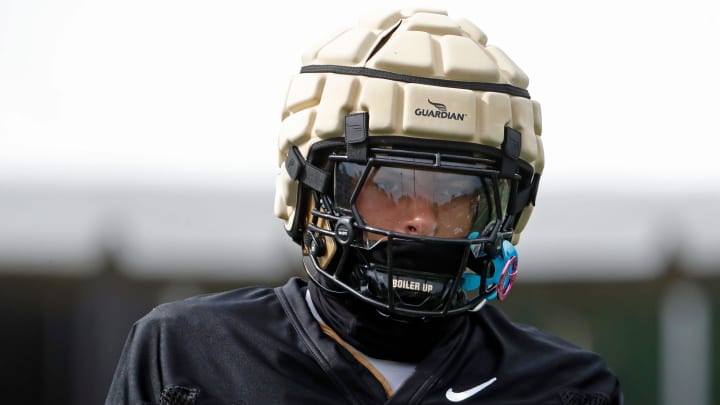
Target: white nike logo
463,395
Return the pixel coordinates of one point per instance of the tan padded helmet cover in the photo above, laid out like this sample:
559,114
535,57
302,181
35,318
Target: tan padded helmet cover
418,42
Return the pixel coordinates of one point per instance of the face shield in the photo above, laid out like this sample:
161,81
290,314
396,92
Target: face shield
411,202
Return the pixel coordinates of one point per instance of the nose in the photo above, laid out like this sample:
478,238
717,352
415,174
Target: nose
419,218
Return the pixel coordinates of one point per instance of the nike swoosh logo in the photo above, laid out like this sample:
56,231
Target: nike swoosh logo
463,395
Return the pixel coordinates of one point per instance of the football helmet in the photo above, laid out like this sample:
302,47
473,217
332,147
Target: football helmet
410,157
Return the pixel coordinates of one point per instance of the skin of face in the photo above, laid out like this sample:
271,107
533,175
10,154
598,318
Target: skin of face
415,206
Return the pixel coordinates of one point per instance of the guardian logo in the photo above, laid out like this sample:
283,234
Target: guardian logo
440,111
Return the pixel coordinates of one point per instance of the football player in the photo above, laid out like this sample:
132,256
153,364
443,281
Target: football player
410,158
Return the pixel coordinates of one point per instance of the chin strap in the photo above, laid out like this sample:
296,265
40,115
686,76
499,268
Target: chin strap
502,274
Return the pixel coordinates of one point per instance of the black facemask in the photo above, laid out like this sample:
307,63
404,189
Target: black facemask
423,274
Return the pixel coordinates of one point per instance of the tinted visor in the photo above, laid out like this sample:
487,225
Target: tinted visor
421,202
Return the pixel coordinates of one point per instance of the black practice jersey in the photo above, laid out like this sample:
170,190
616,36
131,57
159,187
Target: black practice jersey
263,346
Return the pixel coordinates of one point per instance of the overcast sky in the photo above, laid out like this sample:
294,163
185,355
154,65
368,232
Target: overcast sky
190,91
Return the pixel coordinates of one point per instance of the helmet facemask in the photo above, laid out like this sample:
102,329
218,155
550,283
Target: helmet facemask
414,229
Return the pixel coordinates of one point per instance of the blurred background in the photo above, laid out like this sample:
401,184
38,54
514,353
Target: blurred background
138,156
